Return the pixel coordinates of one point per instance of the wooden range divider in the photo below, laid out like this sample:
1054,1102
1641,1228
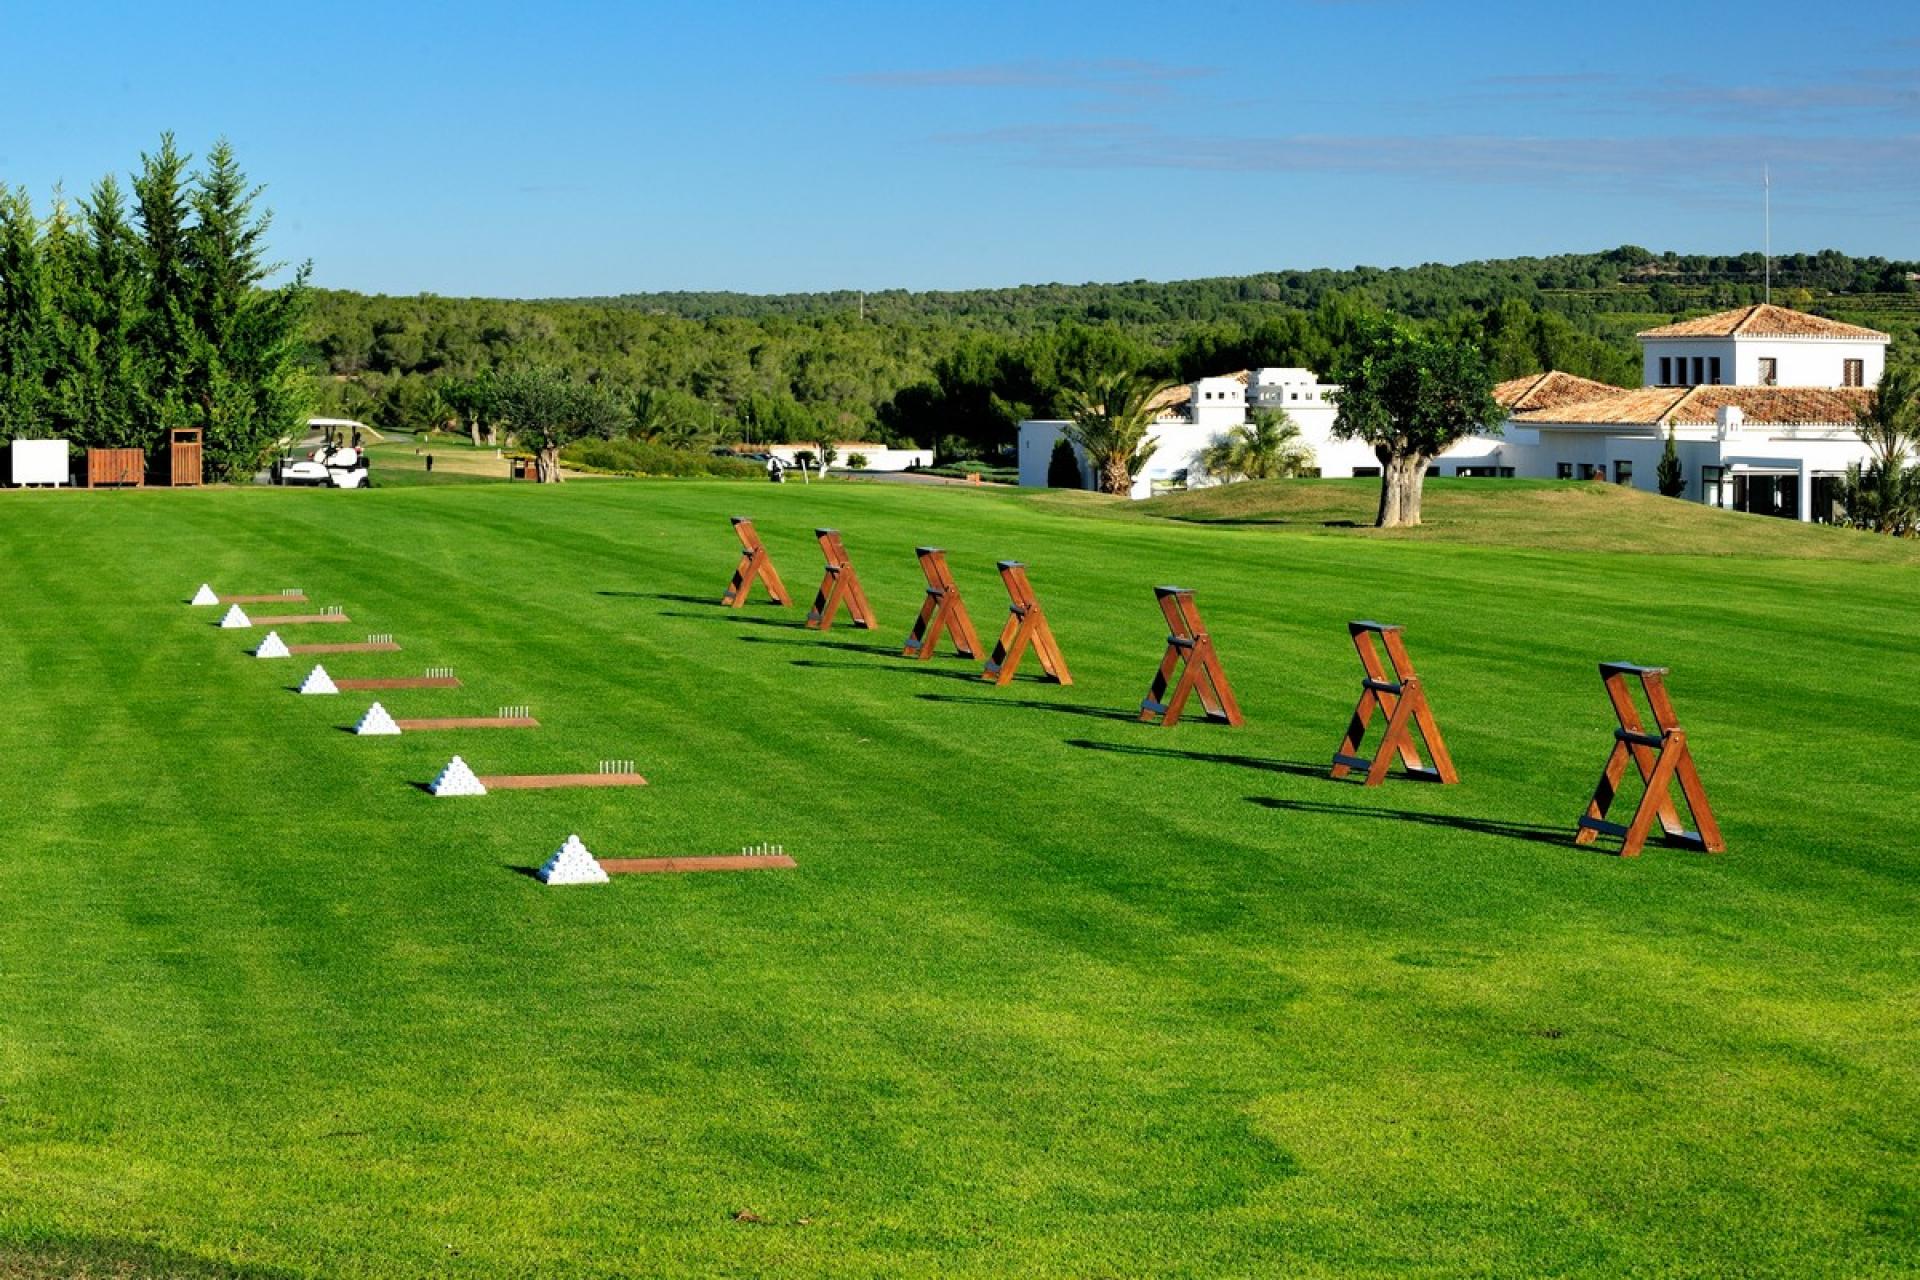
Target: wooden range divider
613,773
755,566
1402,699
1026,625
509,718
1662,758
1188,642
375,643
841,586
942,610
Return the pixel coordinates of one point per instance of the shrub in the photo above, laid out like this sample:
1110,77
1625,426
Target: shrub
856,462
1063,469
643,458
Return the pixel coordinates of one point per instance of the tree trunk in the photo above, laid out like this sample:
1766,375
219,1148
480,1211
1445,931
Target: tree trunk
1412,489
1391,479
1116,479
473,429
546,462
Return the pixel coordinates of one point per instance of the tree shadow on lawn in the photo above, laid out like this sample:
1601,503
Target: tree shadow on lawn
1098,713
1296,767
1562,836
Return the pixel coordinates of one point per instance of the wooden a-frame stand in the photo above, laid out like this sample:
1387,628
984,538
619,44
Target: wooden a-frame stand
1026,625
1403,702
755,565
942,610
1188,641
1662,759
841,586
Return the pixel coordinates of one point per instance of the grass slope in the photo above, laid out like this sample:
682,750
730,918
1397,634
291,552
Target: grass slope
1052,992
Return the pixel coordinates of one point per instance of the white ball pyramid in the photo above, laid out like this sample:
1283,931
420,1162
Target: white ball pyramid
457,780
376,723
235,618
204,595
318,681
572,864
273,647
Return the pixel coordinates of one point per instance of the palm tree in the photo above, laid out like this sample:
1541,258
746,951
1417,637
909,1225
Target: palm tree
1267,448
1111,417
1885,495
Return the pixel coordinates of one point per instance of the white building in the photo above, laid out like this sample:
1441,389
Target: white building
1761,401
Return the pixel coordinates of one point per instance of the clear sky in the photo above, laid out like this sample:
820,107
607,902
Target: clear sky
559,148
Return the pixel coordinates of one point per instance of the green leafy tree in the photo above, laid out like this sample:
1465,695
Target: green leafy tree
1885,494
471,403
1411,395
1267,448
1672,478
104,381
1063,467
1111,418
547,410
241,378
28,317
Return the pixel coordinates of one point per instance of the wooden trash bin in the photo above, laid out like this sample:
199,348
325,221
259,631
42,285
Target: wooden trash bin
184,460
116,468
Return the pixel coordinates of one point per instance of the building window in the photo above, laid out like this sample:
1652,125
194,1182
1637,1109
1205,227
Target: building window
1699,370
1563,471
1586,471
1713,485
1666,371
1713,370
1769,373
1358,472
1623,472
1853,373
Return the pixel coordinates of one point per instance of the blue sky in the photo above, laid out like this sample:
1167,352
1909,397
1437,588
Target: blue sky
574,148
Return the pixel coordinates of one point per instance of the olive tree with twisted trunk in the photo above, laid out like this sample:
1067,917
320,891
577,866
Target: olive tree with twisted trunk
1412,395
546,410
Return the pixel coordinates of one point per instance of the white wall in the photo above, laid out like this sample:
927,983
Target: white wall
1803,362
878,459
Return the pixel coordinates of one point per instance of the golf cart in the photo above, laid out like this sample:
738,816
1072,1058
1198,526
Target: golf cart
335,464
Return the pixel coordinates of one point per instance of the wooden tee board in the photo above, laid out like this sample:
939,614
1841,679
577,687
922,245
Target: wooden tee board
942,611
1402,700
715,862
467,722
555,781
755,566
292,597
292,619
399,682
1026,627
358,646
1662,758
839,588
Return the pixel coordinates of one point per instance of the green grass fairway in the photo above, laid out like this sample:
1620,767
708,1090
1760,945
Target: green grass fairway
1051,993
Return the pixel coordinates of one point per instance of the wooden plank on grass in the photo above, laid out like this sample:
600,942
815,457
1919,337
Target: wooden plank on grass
718,862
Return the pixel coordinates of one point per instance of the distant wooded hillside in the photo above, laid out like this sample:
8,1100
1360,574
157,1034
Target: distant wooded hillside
957,370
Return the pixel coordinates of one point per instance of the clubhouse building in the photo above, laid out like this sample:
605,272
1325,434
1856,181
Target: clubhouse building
1761,402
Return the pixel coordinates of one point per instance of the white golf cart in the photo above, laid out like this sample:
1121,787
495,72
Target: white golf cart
339,462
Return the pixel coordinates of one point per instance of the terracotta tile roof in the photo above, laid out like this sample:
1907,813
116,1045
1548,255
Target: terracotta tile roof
1700,406
1762,320
1545,390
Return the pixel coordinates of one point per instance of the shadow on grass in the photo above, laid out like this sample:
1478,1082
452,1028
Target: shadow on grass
844,645
902,668
531,873
1562,836
675,597
1296,767
727,615
1097,713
